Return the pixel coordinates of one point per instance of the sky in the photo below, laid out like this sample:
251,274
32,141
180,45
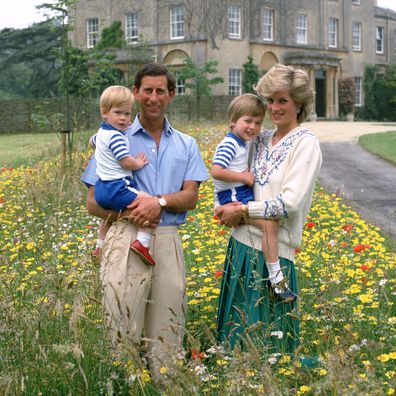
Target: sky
20,14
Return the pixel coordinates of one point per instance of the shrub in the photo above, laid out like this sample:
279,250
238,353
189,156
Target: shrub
346,95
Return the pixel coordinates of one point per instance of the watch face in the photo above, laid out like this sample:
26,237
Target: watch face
162,202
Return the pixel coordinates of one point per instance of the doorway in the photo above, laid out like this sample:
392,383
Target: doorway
320,87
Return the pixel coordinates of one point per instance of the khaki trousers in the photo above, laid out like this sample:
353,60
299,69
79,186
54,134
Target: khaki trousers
141,299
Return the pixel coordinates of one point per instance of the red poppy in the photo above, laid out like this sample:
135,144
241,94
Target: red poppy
190,218
360,247
364,267
214,217
311,225
218,274
297,250
222,232
89,227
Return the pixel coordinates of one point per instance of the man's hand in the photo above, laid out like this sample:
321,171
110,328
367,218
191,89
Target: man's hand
230,214
145,211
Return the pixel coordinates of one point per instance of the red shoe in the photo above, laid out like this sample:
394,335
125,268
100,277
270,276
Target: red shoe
142,252
97,252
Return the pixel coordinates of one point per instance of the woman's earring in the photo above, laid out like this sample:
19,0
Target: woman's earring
298,111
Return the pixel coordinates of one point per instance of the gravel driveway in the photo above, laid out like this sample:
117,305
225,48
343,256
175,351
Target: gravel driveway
364,181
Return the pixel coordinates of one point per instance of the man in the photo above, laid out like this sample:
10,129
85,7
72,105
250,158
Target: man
138,298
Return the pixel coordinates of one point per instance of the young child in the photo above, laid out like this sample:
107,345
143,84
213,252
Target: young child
233,181
116,188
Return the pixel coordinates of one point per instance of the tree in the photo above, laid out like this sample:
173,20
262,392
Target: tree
196,78
250,75
111,37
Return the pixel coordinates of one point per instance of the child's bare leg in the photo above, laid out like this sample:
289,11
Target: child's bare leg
102,231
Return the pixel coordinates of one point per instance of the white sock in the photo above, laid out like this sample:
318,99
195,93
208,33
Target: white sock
144,238
99,243
275,272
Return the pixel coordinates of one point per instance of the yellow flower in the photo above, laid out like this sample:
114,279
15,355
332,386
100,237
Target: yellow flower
304,389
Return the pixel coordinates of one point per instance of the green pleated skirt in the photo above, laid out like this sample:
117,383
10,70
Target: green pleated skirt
248,310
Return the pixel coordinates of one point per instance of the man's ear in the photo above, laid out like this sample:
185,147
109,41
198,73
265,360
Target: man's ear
172,93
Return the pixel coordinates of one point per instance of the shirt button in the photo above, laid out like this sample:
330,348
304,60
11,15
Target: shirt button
153,150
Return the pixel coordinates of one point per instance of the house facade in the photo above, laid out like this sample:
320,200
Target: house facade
330,39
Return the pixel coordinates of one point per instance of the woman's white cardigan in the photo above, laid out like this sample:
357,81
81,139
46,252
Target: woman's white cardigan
285,176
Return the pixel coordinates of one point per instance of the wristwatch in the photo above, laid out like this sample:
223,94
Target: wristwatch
162,201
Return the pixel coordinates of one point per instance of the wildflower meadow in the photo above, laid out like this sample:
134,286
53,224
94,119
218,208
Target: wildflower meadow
53,339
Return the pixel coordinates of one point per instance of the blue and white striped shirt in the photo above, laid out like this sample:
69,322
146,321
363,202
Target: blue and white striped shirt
111,146
231,153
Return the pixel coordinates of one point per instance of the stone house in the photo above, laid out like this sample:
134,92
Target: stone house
330,39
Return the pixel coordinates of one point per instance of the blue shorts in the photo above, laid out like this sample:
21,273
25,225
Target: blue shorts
115,194
242,194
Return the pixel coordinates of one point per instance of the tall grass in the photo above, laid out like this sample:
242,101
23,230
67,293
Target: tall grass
52,337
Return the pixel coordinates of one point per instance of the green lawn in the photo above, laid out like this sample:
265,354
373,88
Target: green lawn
381,144
29,148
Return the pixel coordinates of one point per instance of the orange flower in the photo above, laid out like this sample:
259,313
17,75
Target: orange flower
360,247
197,355
348,227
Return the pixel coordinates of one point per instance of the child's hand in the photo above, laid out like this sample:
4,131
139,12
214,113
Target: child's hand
247,178
141,160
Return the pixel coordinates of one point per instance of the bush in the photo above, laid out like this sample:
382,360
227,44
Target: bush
346,95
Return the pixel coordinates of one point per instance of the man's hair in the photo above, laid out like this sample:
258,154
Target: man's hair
155,69
245,105
115,96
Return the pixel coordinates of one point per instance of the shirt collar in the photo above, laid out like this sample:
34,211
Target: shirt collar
236,138
104,125
137,127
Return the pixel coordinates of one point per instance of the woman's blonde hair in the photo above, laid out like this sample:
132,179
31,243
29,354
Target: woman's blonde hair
246,104
115,96
294,81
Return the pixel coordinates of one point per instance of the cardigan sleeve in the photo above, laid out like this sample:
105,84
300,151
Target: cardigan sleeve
297,185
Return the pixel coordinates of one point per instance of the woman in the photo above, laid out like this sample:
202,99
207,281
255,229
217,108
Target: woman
285,163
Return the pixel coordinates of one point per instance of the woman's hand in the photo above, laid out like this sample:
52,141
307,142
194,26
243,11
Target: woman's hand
229,214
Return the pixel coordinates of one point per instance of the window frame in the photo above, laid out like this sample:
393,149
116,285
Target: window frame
234,21
131,27
180,87
234,82
333,34
302,31
358,37
176,22
268,27
92,34
380,40
358,91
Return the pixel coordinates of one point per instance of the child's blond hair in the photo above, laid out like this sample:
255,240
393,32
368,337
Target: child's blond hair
246,104
115,96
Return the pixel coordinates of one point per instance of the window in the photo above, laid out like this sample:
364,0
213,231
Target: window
394,41
180,86
177,22
234,82
358,91
379,39
268,25
92,32
333,32
358,2
131,28
234,22
302,32
356,36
